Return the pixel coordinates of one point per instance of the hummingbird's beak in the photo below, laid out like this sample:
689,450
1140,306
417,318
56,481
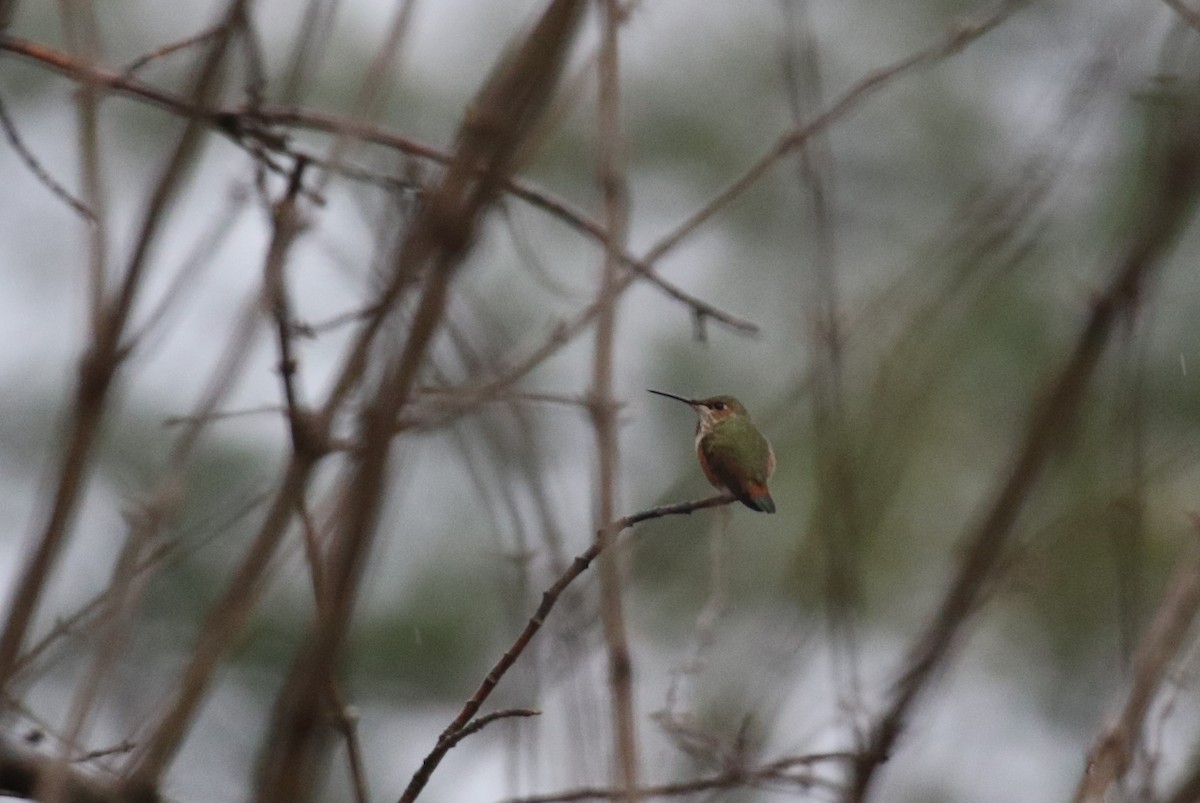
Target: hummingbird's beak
690,402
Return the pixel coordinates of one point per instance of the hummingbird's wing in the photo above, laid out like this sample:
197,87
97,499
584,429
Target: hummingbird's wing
737,457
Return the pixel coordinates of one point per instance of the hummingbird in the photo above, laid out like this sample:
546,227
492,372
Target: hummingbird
734,455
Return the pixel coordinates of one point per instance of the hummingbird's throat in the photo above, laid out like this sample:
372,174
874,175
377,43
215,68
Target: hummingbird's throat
709,419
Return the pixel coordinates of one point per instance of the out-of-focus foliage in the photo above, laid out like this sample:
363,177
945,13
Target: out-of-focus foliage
958,301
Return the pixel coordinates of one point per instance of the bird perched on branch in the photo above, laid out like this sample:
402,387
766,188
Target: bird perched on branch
734,455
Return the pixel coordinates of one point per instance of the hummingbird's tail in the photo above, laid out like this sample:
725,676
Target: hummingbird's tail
758,499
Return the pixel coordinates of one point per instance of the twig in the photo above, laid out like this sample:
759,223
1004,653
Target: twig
239,123
498,121
39,172
1111,754
23,773
286,225
68,624
729,779
206,246
611,177
305,56
370,94
345,716
518,188
836,515
953,42
226,618
83,38
478,724
97,371
1188,790
166,50
104,752
115,623
549,597
567,331
1175,183
221,415
1187,14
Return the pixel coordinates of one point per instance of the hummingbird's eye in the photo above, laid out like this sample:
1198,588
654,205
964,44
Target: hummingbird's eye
718,405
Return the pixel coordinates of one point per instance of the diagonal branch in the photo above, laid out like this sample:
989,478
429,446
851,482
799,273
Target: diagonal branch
39,172
1110,756
873,82
495,126
244,125
1189,16
549,599
1172,195
565,332
97,373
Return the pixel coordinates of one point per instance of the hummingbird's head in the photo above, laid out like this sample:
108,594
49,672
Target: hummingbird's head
717,409
712,410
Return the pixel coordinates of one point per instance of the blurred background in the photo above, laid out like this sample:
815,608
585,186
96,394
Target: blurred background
917,276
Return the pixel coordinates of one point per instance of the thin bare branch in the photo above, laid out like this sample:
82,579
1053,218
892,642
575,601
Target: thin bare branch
82,33
1110,756
836,517
781,771
242,124
610,171
173,47
566,331
97,371
1176,178
479,723
370,94
504,111
39,172
1189,15
23,772
952,43
549,599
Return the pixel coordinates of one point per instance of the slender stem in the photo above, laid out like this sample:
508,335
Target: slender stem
549,598
610,174
97,372
1113,750
1173,195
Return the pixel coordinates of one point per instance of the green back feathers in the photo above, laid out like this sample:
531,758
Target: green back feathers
735,448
